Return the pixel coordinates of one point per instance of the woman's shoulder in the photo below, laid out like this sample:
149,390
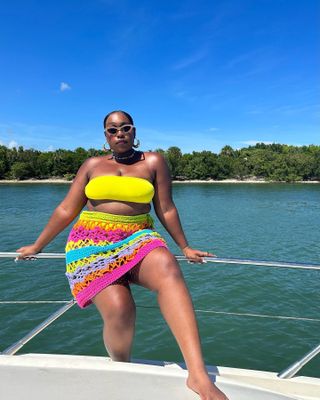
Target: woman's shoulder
91,163
157,165
154,158
94,161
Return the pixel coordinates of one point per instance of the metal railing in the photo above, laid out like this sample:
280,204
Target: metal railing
218,260
289,372
11,350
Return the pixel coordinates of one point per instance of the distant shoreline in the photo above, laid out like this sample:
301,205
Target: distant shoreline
240,181
14,181
210,181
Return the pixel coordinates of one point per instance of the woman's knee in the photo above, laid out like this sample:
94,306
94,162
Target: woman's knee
120,311
170,269
168,266
119,306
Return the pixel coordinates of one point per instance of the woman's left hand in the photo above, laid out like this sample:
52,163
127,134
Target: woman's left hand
196,256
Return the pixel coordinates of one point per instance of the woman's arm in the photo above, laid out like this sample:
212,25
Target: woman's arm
166,210
65,213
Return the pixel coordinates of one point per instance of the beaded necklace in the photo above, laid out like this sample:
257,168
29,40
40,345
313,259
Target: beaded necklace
120,158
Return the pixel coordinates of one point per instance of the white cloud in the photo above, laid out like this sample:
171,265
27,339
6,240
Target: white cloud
242,58
255,111
12,144
50,148
185,95
213,129
192,59
64,86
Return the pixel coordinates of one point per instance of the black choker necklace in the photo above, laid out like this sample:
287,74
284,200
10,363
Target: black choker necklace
130,154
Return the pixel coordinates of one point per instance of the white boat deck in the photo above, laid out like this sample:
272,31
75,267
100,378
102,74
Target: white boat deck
51,377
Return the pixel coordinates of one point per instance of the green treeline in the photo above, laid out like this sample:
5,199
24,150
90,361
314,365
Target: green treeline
276,162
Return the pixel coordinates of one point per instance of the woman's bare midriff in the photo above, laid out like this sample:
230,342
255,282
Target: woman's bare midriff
118,207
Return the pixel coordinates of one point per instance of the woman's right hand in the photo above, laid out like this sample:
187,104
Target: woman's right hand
27,251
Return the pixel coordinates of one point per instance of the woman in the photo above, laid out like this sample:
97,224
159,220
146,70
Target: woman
114,244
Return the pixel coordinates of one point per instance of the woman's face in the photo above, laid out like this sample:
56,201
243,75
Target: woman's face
119,133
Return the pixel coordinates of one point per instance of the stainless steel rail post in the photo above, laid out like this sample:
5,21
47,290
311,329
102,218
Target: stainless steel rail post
295,367
17,346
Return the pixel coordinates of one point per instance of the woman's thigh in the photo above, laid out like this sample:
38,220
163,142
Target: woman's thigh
157,267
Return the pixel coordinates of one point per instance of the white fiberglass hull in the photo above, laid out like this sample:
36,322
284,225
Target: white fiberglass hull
51,377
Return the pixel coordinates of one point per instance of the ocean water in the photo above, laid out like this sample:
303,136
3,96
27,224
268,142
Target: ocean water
262,221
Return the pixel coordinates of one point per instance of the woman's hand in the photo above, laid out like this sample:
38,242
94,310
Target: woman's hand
27,251
196,256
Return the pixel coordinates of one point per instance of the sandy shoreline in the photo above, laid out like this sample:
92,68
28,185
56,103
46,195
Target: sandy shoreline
64,181
7,181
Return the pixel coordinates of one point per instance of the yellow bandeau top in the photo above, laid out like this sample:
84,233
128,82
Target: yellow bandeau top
121,188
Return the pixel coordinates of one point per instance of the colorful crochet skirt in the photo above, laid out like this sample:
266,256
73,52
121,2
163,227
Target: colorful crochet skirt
103,247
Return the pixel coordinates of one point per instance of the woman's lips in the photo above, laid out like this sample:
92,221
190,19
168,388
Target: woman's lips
121,142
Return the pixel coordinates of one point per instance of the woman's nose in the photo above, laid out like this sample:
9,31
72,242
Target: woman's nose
120,133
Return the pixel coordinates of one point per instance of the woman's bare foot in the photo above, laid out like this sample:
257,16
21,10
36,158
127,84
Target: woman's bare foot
205,388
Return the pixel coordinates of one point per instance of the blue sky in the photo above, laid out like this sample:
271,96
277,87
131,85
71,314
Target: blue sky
194,74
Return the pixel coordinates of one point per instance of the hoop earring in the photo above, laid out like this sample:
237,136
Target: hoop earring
136,145
104,148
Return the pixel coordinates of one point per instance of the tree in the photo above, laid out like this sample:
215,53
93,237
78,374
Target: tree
4,163
173,156
20,170
275,161
227,151
2,169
